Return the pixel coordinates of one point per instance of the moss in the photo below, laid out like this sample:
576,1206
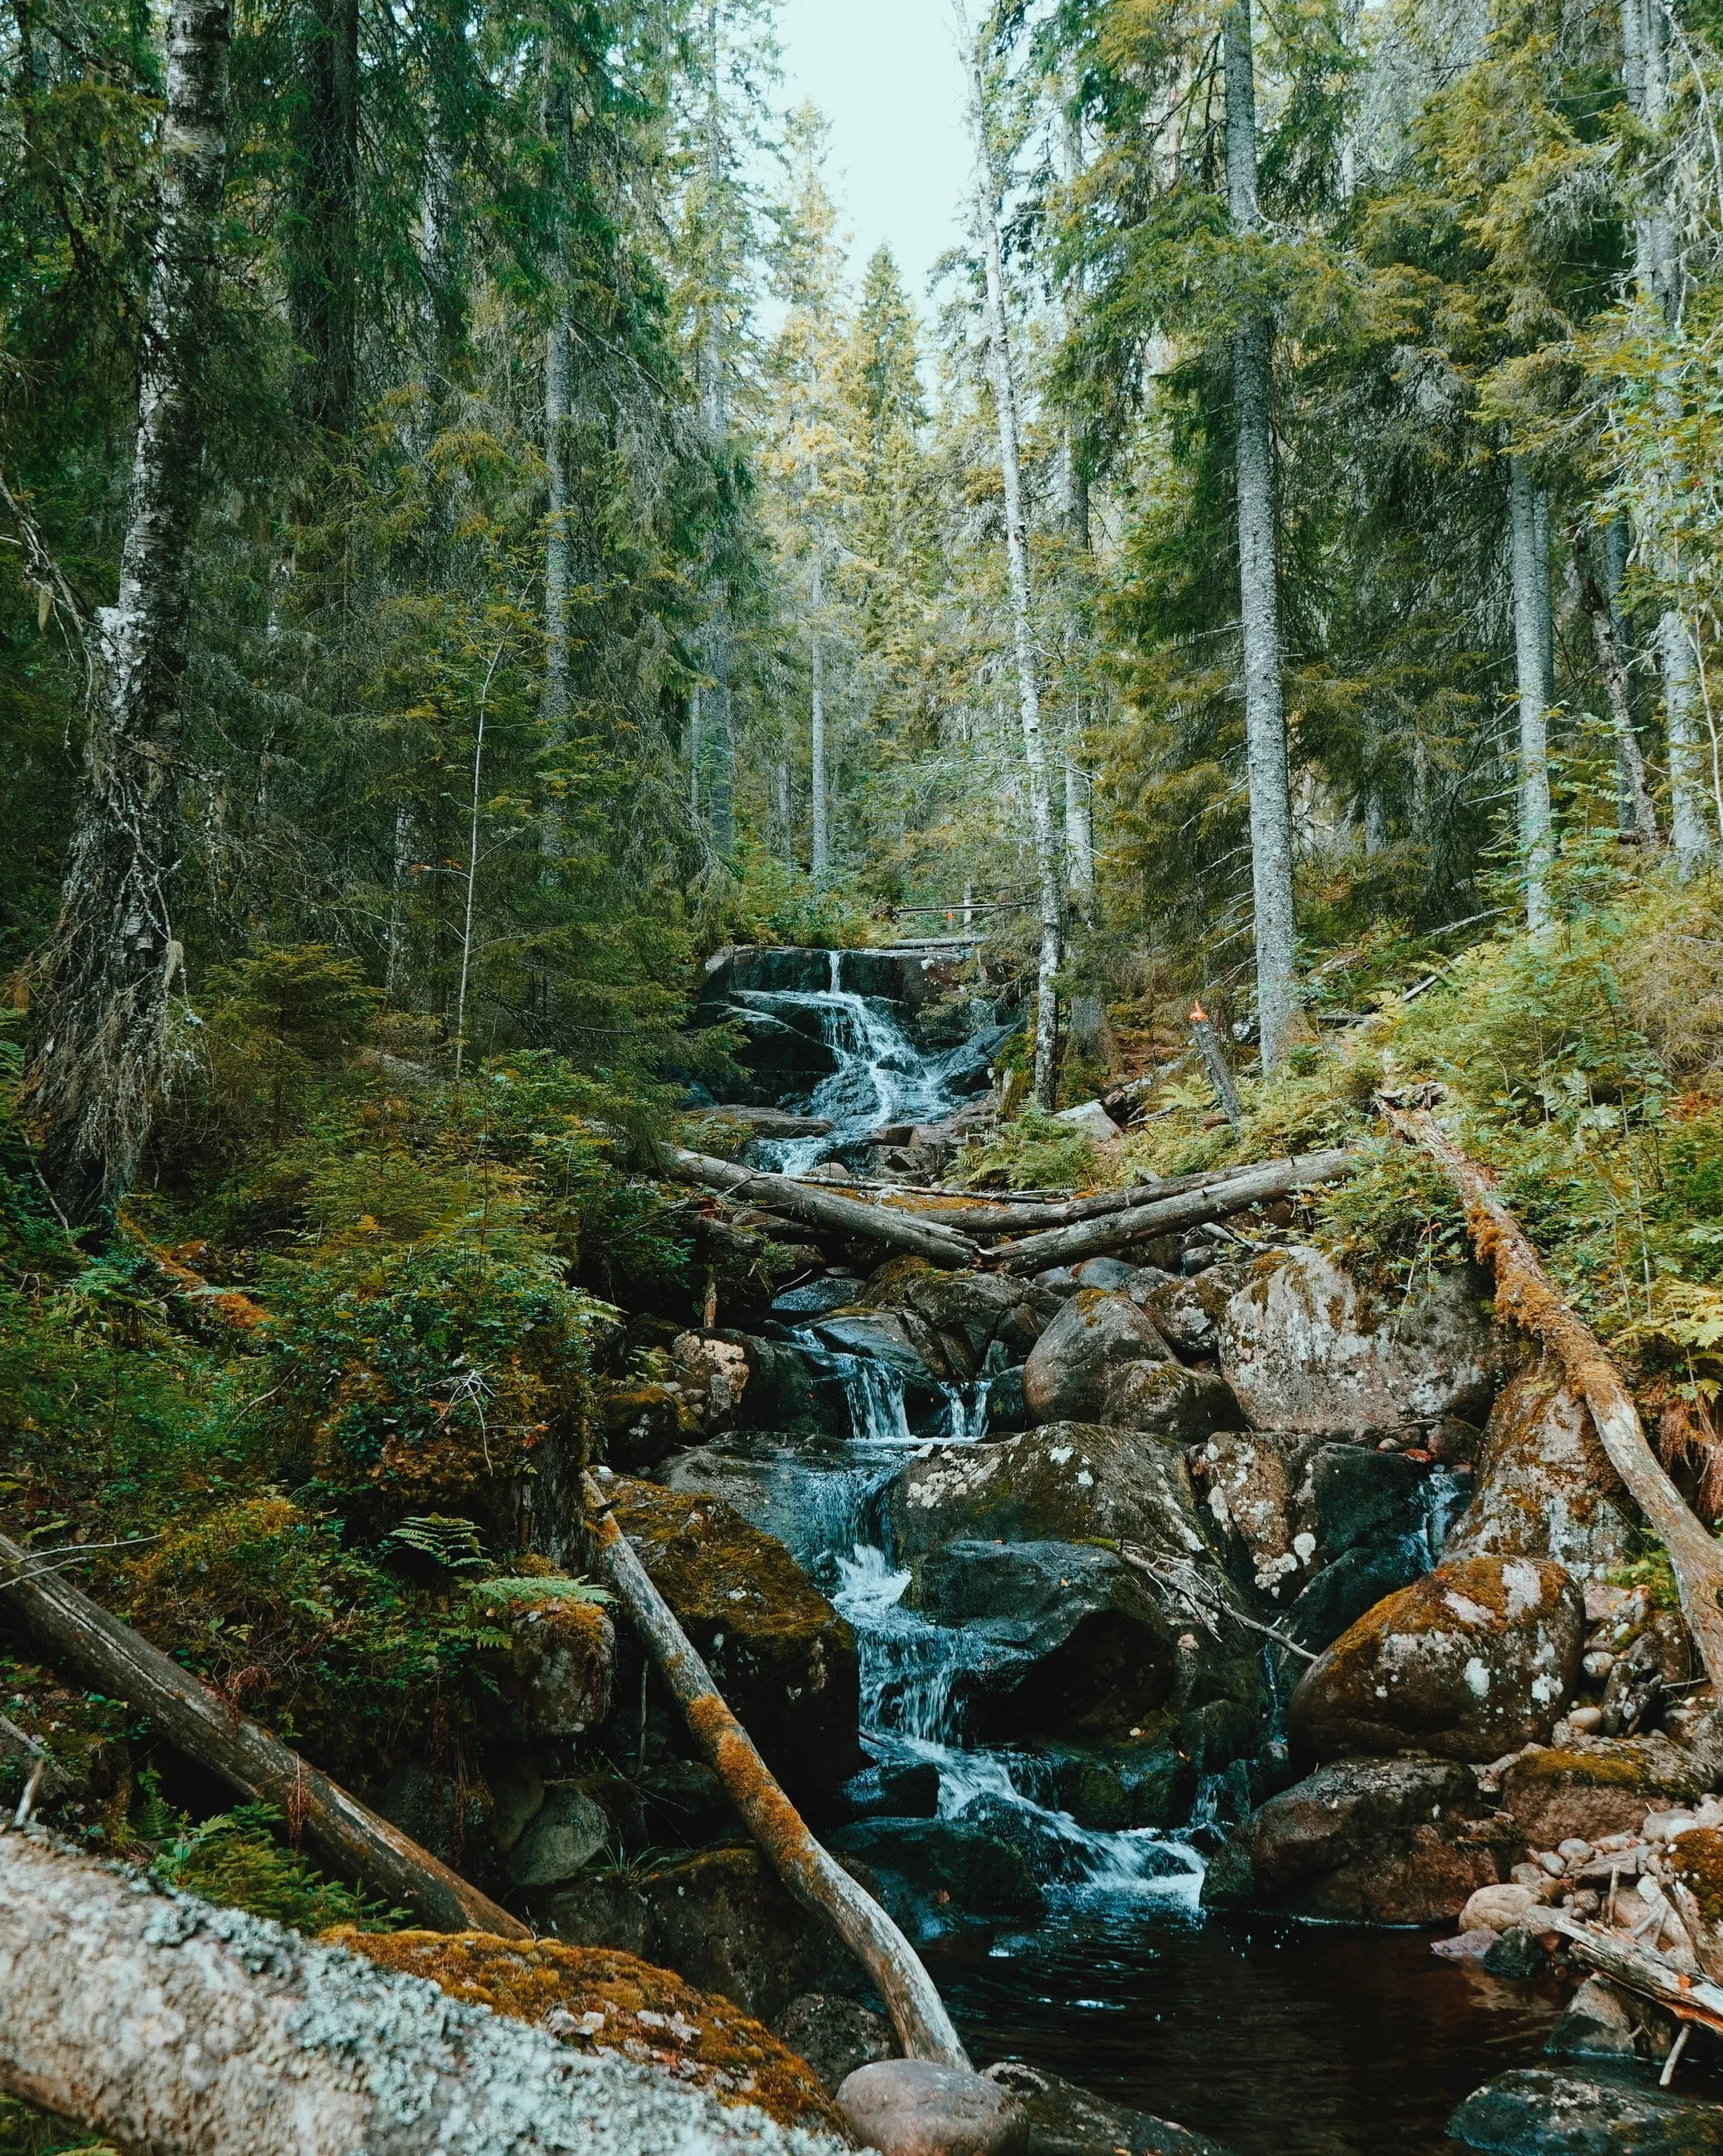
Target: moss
709,1564
1697,1862
595,2000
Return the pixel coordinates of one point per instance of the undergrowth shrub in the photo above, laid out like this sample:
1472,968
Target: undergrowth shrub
1036,1151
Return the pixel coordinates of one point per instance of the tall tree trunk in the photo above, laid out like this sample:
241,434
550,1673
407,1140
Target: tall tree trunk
1634,816
1051,898
715,746
1658,272
323,262
1079,834
1271,799
820,860
556,548
1531,585
109,966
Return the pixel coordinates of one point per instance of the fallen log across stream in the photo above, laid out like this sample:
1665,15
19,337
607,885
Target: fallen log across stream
812,1875
1211,1197
348,1835
1526,1293
819,1207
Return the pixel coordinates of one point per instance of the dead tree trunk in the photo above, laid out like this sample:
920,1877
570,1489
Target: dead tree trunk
166,2025
1636,817
821,1208
348,1833
106,975
1218,1195
1526,1293
816,1879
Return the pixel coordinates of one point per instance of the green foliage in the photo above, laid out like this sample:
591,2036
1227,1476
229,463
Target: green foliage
1038,1152
237,1860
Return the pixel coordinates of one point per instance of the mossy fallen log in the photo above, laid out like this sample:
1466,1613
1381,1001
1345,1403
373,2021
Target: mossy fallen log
821,1208
812,1875
348,1835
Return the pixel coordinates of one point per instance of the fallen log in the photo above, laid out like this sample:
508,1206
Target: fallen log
821,1208
1208,1199
163,2023
817,1880
1652,1976
1526,1293
987,1216
351,1837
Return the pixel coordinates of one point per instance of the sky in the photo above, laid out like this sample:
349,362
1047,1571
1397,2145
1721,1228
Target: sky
885,74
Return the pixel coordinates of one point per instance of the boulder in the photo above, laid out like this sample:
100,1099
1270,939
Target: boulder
1080,1366
1499,1908
1362,1841
1472,1660
834,2035
563,1656
1544,2111
814,1298
1088,1651
598,2001
1604,1786
713,1375
913,2108
1306,1348
1065,2120
1543,1487
560,1841
643,1426
1599,2023
783,1657
1187,1313
900,1340
959,1866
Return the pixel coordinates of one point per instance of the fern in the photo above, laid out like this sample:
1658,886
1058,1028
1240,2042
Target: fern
449,1541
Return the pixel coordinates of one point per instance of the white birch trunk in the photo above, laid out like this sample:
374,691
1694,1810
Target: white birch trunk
1271,801
556,548
1050,898
1079,834
165,2024
109,967
1531,584
820,858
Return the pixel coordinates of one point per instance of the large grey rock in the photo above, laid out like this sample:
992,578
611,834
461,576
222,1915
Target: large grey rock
1305,1347
1187,1313
913,2108
1470,1662
561,1840
1370,1841
1543,2111
978,1319
1080,1367
973,1865
834,2035
885,1336
1065,2120
1543,1485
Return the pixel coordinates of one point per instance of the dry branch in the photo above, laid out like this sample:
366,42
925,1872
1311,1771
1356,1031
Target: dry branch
347,1834
1208,1199
166,2025
1019,1210
819,1207
1651,1975
816,1879
1526,1293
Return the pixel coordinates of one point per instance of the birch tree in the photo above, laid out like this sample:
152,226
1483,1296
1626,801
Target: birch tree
1271,803
1050,898
108,969
1528,549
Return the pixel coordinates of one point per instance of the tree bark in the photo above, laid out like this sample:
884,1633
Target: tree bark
1209,1201
349,1835
169,2026
987,1217
821,1208
109,966
323,267
1635,817
820,1884
820,859
556,546
1531,582
1050,898
1526,1293
1270,800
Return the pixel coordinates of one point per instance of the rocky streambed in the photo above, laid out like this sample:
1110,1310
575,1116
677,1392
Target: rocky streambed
1182,1646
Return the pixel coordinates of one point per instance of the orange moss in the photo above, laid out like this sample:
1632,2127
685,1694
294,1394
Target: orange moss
710,1564
1697,1860
595,2000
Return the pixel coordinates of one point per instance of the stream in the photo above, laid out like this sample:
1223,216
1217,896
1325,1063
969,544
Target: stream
1279,2038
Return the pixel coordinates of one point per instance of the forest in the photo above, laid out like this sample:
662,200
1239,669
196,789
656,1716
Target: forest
860,1136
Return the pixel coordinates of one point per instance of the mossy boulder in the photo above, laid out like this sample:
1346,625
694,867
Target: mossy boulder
1085,1358
1305,1347
595,2000
1696,1859
1471,1660
969,1314
1544,1486
783,1657
1603,1786
643,1426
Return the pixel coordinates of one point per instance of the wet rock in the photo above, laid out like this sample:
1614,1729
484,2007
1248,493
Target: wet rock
561,1840
1353,1584
643,1426
1362,1841
1469,1661
1081,1365
1543,1487
913,2108
1598,2024
783,1657
1065,2120
1305,1347
517,1795
564,1655
960,1868
814,1298
778,1057
1520,1953
886,1337
597,2001
682,1802
893,1790
1187,1313
1543,2111
1007,1409
837,2036
1090,1651
978,1319
1602,1788
722,1920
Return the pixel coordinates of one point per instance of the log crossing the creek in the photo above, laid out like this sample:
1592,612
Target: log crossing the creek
811,1873
820,1207
348,1835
